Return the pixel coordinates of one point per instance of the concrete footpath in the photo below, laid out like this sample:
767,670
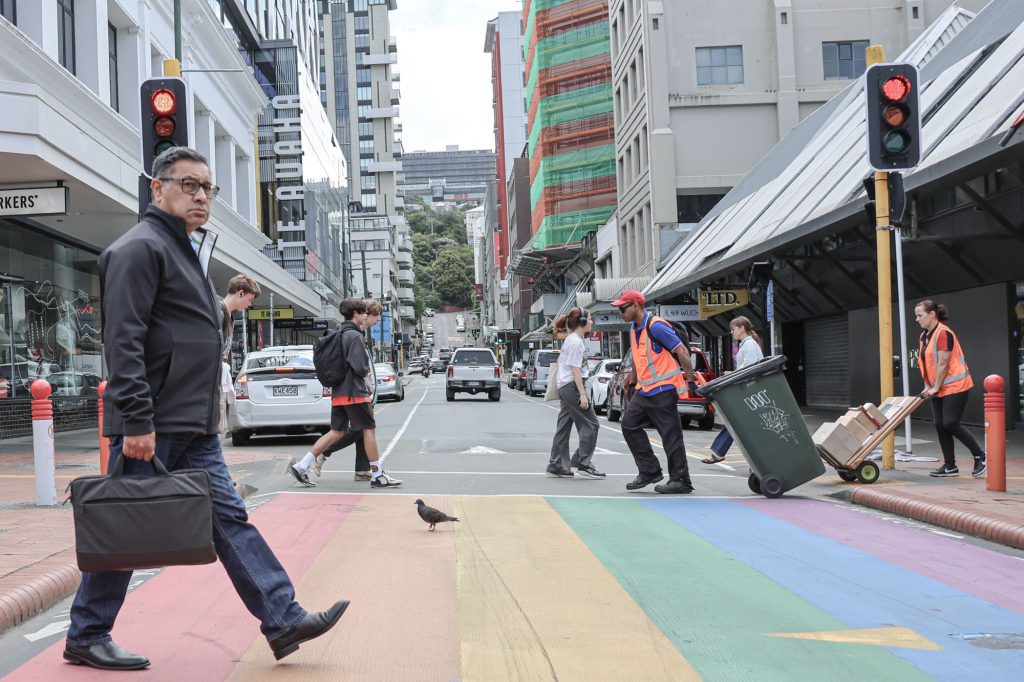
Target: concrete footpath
37,562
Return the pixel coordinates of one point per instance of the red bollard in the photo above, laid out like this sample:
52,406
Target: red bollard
995,433
104,441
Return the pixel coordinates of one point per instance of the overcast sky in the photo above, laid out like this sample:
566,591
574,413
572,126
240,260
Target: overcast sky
446,75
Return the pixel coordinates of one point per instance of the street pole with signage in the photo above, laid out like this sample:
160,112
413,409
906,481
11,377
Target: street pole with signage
271,318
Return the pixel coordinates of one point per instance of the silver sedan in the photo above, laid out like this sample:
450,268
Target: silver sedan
389,382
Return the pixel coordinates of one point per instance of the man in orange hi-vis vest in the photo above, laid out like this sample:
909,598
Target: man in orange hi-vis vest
660,361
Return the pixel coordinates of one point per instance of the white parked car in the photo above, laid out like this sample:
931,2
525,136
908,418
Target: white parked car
389,382
276,391
597,383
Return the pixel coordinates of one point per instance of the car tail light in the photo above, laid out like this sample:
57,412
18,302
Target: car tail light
451,370
284,369
242,388
388,378
497,372
534,373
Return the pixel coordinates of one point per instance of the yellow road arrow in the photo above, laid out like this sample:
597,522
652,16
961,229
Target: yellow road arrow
903,638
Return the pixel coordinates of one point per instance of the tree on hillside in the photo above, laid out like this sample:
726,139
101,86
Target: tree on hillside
452,281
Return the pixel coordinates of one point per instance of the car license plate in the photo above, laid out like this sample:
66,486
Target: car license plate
473,383
280,391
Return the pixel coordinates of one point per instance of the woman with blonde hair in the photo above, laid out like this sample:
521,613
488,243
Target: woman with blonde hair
576,409
749,353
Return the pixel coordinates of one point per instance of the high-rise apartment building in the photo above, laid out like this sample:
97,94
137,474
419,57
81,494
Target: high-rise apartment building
504,42
569,114
359,87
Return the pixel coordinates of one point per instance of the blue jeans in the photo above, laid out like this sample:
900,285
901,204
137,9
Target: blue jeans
722,443
255,572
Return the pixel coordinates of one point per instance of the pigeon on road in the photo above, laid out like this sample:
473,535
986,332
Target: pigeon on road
431,515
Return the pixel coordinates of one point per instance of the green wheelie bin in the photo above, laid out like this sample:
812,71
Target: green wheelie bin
764,419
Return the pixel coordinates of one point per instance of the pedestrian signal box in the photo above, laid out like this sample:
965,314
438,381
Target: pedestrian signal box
164,118
893,117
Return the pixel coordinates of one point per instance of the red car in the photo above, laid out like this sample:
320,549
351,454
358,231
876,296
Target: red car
690,408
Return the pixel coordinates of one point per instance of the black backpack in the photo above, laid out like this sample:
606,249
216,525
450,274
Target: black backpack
680,328
329,359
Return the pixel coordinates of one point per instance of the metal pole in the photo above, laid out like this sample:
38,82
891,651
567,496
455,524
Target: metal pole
901,300
177,30
271,318
876,55
245,333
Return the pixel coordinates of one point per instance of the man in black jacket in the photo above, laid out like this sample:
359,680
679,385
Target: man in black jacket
162,345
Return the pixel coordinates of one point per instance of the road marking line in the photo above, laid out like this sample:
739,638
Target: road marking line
512,473
405,425
643,494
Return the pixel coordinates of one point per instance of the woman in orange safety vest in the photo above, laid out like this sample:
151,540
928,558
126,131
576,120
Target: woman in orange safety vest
947,381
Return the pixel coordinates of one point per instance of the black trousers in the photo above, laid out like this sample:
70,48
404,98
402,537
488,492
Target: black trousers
350,437
948,410
659,411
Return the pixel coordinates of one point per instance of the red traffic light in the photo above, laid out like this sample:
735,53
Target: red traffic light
896,89
163,102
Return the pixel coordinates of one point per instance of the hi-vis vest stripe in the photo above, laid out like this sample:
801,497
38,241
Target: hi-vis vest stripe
654,369
958,376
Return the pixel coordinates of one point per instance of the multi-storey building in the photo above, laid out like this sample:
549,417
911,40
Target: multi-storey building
359,86
569,113
453,176
69,89
504,42
702,90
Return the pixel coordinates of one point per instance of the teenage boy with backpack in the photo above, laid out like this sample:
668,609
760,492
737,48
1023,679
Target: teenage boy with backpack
351,396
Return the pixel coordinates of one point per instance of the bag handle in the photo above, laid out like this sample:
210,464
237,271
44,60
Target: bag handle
118,469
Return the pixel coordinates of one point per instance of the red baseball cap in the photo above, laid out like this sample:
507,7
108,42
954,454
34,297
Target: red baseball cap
630,296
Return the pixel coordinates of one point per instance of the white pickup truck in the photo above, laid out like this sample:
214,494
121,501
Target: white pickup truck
473,370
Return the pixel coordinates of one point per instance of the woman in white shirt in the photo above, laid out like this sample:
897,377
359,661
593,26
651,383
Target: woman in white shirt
576,409
749,353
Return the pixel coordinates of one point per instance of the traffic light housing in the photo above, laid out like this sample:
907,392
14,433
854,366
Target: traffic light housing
164,118
897,199
893,117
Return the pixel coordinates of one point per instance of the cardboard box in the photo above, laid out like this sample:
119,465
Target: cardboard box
855,427
890,406
837,441
873,413
863,421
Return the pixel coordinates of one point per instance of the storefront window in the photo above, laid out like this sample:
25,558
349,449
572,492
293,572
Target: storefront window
49,315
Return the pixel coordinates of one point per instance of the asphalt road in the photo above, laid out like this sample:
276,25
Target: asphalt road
569,579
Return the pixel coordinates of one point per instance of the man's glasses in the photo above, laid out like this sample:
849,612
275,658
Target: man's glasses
190,186
624,308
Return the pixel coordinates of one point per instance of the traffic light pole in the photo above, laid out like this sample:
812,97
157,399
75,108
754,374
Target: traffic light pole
883,237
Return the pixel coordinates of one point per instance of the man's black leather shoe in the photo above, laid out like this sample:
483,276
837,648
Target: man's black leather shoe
643,480
310,627
677,487
106,656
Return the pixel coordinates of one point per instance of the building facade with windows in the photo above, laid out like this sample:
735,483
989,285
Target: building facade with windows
454,176
70,73
703,90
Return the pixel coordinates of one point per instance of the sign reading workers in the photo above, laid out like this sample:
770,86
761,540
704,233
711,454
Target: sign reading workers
715,301
34,201
271,314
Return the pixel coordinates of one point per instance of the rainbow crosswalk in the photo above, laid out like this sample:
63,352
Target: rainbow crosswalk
536,588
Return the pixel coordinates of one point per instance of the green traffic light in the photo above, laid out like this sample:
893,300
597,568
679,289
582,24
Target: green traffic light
896,141
161,147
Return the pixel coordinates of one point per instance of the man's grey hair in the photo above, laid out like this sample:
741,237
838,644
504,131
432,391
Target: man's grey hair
162,164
